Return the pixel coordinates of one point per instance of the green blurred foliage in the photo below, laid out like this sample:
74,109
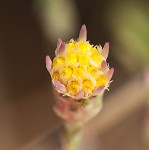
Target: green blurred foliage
59,18
128,23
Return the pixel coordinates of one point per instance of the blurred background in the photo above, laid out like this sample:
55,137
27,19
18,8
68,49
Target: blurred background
29,31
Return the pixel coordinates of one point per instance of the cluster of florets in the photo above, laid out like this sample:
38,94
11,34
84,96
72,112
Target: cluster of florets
79,69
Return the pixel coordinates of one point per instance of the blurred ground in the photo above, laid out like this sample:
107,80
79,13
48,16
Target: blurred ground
126,135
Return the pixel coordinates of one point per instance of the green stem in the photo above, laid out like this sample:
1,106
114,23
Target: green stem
72,137
73,133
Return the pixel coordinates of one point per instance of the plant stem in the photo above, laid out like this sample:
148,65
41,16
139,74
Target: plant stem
72,138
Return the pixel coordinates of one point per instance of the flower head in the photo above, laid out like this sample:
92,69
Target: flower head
79,69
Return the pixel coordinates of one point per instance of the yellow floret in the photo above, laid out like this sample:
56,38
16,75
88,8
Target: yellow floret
55,75
96,58
73,88
83,60
71,58
95,50
83,46
70,46
58,61
87,86
79,72
101,81
67,72
93,71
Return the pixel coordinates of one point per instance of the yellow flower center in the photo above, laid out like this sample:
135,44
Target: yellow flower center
79,68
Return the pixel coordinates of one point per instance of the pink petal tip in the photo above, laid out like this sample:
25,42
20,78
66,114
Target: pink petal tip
61,49
98,90
48,63
83,33
109,74
105,50
59,42
79,95
104,65
60,87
